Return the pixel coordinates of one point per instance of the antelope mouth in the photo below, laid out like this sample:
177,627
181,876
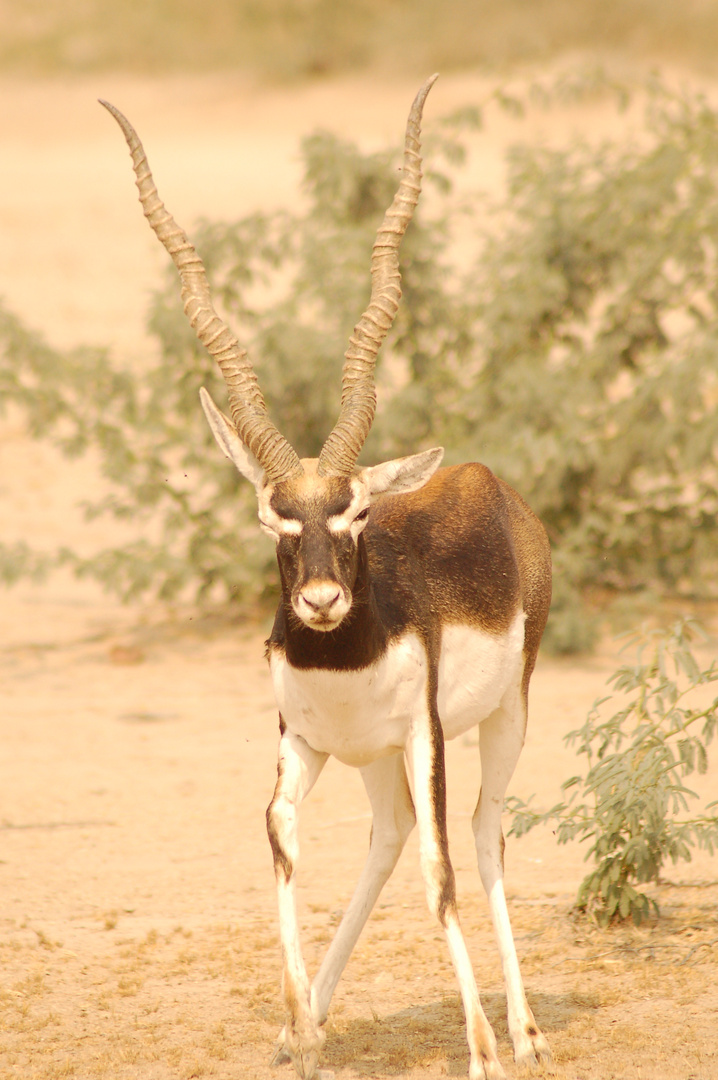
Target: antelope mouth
323,624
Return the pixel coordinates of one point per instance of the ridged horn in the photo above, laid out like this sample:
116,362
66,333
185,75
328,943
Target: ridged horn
246,403
342,448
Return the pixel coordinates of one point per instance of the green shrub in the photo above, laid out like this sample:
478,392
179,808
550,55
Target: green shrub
632,804
594,381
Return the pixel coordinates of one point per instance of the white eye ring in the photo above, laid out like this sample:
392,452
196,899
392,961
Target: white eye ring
283,527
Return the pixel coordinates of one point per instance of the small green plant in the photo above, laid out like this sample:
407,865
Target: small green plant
633,803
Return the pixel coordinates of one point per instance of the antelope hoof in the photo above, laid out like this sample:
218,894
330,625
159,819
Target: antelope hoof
485,1068
281,1055
303,1052
305,1062
533,1052
301,1055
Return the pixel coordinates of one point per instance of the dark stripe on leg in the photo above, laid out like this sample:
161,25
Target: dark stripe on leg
282,862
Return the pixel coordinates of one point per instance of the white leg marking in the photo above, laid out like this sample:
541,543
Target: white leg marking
393,819
501,737
299,766
425,761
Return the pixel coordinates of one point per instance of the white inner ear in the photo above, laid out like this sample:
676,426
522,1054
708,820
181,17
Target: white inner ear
403,474
230,443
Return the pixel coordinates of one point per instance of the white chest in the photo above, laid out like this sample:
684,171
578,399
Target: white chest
359,716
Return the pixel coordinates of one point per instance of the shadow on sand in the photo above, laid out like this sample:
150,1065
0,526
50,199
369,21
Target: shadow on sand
422,1034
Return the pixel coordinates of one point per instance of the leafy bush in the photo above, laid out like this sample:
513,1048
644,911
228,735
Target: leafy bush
577,356
632,804
595,377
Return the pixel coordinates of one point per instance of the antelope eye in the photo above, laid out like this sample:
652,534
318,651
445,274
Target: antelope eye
363,514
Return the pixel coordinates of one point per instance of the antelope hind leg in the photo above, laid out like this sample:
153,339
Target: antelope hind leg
501,738
392,821
425,761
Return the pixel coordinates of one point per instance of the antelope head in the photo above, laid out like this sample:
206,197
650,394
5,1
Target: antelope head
314,508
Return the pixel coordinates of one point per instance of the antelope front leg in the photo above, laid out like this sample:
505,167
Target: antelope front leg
425,762
297,770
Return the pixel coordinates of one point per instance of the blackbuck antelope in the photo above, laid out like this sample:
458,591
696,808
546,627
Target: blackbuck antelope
413,603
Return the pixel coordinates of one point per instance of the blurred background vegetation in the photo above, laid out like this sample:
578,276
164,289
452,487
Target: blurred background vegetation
289,39
573,347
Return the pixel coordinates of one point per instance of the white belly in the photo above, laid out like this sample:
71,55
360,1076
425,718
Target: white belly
359,716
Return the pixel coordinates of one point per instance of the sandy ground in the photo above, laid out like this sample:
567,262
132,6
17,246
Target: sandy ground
137,747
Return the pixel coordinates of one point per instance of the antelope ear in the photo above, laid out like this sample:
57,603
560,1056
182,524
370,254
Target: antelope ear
403,474
230,443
